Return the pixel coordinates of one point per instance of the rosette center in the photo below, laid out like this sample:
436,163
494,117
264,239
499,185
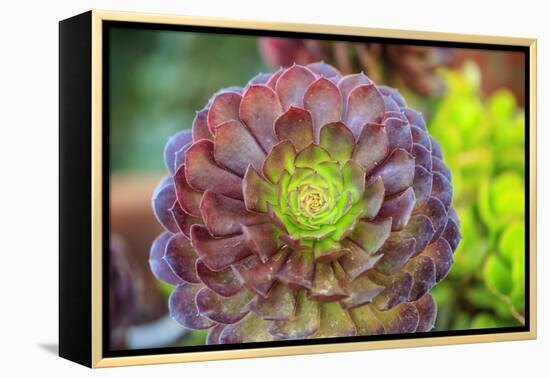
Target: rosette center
312,200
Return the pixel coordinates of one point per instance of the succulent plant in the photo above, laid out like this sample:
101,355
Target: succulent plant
484,140
306,205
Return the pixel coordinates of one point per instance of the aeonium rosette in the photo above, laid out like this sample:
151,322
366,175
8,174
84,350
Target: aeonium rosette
305,205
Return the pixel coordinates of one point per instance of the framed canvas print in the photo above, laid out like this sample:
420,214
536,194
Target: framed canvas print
235,189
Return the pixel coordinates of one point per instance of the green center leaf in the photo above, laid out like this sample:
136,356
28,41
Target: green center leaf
319,198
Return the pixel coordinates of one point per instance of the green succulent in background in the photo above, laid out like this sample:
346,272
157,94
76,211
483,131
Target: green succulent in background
483,142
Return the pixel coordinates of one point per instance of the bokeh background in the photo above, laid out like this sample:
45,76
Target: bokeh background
473,102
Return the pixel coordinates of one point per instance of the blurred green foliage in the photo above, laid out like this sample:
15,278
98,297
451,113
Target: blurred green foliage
159,79
483,143
194,337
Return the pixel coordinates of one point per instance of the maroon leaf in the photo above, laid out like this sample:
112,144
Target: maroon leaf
174,144
183,307
427,310
421,137
323,100
179,159
236,149
422,185
394,94
259,109
420,227
452,233
391,105
415,118
372,146
214,333
257,275
224,107
357,261
218,253
295,125
395,114
396,252
374,197
399,208
272,81
226,310
263,239
423,156
326,286
225,216
399,134
200,126
365,105
370,236
397,172
292,85
297,270
184,220
361,291
181,257
422,270
188,198
163,200
158,264
349,83
434,209
402,319
203,173
398,287
442,255
223,282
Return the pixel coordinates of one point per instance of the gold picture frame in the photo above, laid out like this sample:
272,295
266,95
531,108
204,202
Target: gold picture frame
95,20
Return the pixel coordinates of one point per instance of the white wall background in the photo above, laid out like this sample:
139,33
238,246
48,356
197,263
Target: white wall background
29,174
